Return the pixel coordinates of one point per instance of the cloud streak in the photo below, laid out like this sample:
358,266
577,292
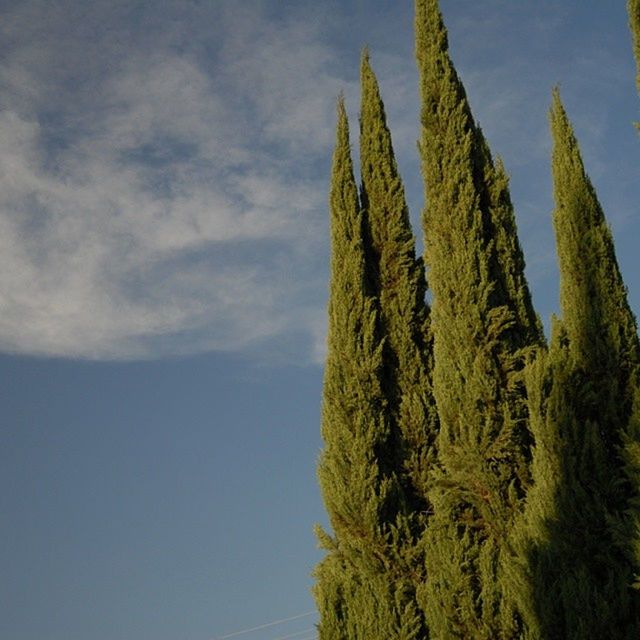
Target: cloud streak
161,209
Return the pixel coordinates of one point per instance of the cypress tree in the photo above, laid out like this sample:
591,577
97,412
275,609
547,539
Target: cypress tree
483,325
633,9
360,590
579,548
400,288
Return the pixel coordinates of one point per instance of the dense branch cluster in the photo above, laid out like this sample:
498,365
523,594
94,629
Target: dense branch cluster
480,484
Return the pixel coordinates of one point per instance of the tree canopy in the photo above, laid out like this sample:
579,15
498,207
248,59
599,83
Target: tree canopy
479,484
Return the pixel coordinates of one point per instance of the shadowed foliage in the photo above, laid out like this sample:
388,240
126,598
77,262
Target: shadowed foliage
577,543
400,288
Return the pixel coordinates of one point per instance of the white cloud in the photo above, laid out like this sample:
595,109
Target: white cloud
161,209
163,172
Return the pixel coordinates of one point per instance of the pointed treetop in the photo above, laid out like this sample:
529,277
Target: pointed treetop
342,127
566,156
593,298
345,206
400,288
369,82
379,169
438,77
365,55
372,114
431,34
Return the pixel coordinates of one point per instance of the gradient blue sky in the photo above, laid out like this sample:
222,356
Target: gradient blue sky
163,278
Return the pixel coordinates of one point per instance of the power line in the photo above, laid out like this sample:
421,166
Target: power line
264,626
296,634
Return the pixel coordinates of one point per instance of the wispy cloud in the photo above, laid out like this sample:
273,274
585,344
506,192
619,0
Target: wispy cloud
163,168
170,202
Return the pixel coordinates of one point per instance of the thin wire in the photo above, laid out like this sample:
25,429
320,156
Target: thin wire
297,633
264,626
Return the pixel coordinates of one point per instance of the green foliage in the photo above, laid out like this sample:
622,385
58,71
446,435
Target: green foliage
478,485
483,324
400,287
577,542
633,9
358,489
364,585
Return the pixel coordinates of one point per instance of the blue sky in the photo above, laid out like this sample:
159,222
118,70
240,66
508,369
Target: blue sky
163,278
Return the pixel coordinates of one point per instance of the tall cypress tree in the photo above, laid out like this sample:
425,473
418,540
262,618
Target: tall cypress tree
633,9
483,325
579,549
361,587
400,288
